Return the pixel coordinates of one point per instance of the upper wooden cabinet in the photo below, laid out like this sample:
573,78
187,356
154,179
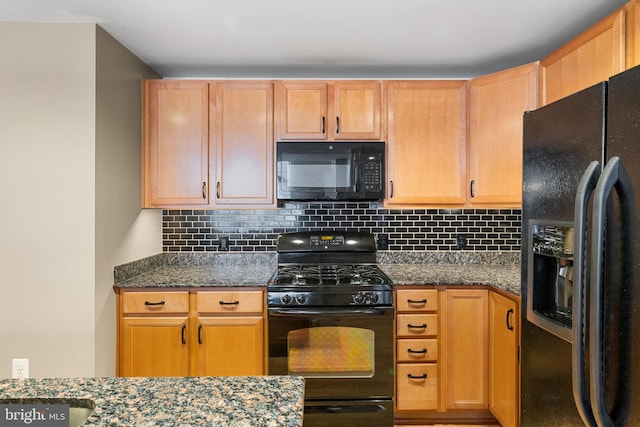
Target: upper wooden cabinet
175,155
589,58
242,141
194,130
632,33
328,110
426,142
497,103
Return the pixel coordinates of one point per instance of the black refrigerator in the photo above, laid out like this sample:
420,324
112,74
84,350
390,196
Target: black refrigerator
580,339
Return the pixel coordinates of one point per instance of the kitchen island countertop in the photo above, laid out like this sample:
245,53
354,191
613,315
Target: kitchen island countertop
270,401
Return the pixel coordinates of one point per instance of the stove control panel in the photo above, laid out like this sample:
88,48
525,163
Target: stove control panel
328,299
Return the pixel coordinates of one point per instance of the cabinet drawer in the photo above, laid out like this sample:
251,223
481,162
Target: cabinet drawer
155,302
221,302
417,300
417,350
417,386
417,325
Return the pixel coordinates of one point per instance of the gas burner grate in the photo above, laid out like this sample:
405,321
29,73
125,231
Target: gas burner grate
329,274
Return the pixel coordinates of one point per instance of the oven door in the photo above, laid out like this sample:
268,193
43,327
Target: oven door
343,353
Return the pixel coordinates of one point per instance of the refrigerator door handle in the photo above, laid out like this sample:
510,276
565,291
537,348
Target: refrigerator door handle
606,183
580,394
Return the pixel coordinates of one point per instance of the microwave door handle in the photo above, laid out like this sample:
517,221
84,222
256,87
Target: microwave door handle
356,175
583,194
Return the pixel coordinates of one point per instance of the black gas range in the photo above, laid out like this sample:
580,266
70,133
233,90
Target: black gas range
328,269
330,320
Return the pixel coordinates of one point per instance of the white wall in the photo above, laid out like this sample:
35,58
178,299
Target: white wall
51,246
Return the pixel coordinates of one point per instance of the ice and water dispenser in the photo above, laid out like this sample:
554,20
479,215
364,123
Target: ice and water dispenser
550,277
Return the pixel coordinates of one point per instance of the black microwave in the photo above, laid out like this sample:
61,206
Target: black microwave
330,170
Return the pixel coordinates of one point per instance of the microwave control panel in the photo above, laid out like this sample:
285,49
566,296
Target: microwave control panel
372,172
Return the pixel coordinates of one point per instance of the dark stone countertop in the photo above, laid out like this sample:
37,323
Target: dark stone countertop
504,277
270,401
254,270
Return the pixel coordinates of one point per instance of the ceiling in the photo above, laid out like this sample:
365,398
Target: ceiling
328,38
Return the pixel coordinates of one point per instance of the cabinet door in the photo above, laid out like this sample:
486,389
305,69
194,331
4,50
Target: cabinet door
302,109
632,34
467,349
426,143
496,105
154,346
242,137
176,143
503,361
357,110
591,57
230,345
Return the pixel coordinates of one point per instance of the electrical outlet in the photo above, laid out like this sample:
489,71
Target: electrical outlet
20,368
383,241
224,243
461,241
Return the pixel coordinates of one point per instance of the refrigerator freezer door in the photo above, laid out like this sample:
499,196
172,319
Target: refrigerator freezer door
560,141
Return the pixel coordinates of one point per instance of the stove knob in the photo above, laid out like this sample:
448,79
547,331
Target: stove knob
359,298
301,299
373,298
286,299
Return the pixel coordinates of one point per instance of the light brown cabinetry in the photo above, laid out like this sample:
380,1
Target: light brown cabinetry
230,333
180,333
426,142
504,341
194,130
467,349
593,56
153,334
175,154
329,110
417,349
497,103
242,140
632,33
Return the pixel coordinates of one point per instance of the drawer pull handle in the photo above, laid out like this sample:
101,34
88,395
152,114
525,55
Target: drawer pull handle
417,377
154,303
422,301
423,326
199,333
229,303
184,340
423,351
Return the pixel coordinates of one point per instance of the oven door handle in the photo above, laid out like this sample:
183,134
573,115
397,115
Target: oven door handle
328,311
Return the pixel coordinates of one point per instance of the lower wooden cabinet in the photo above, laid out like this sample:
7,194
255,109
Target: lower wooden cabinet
154,346
153,333
504,366
467,348
417,349
417,386
167,333
230,333
456,356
